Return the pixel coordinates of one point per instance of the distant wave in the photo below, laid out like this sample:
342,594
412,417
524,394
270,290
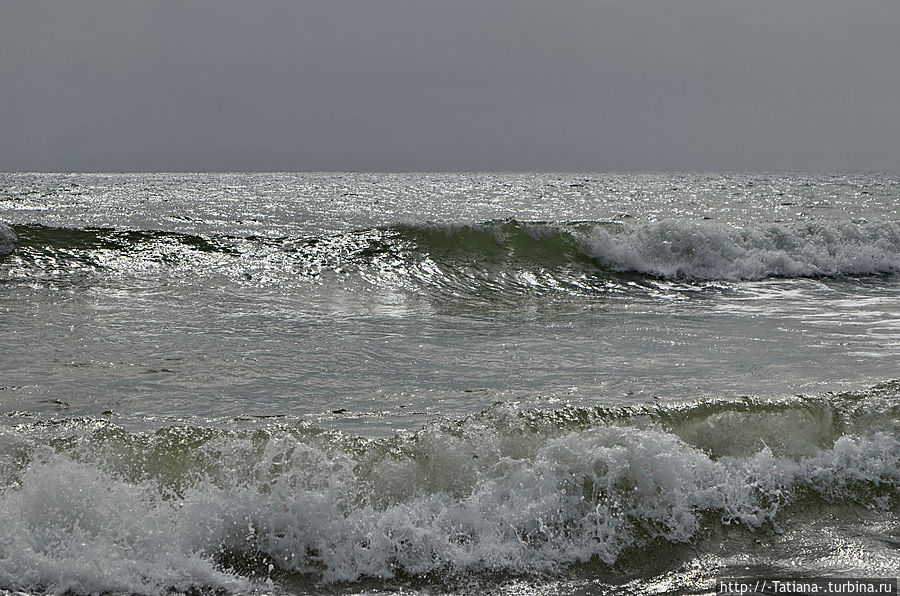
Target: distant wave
7,239
505,256
87,506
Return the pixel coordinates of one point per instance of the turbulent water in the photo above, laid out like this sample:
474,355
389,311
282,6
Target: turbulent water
446,383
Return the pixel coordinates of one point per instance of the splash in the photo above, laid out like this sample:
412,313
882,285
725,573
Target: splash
97,508
709,251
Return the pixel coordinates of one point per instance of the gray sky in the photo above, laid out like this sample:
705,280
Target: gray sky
597,85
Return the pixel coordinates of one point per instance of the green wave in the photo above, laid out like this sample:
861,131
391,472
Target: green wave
503,256
39,237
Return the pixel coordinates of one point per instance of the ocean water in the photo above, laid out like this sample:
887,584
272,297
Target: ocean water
446,383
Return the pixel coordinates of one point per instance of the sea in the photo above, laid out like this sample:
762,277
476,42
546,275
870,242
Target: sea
447,383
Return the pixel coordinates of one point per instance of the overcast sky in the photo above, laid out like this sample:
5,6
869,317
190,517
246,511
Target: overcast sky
349,85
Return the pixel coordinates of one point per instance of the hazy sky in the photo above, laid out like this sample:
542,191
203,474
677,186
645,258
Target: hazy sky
449,85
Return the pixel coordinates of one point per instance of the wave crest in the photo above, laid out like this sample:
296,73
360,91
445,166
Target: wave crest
709,251
505,257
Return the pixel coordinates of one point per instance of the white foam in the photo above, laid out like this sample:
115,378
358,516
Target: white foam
71,527
479,498
712,251
7,239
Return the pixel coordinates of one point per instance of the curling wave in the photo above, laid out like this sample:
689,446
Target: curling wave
505,256
87,506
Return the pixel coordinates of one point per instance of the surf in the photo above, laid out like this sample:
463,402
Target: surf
88,505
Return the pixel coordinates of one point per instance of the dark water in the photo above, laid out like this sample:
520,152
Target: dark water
420,383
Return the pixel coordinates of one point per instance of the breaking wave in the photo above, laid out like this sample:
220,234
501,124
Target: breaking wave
87,506
706,251
505,255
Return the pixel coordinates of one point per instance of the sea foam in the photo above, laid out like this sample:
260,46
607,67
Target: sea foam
188,507
712,251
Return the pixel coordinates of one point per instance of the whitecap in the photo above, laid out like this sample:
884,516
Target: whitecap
713,251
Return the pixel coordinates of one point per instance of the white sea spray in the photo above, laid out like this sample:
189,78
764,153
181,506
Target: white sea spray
711,251
485,497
